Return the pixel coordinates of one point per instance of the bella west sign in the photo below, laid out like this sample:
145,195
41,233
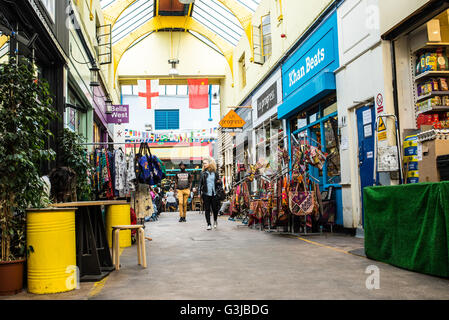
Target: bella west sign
120,114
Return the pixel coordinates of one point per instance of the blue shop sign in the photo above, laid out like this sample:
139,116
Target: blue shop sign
308,74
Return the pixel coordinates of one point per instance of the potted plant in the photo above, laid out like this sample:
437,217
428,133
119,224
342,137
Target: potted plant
75,157
25,113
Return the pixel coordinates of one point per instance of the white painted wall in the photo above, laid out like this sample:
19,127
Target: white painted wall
393,12
189,119
150,57
365,66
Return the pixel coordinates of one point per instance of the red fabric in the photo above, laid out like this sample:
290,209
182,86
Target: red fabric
198,93
133,220
148,94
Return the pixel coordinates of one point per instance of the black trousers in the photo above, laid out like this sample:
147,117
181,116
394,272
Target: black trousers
210,203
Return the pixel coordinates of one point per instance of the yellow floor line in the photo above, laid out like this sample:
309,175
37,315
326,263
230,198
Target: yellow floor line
99,285
323,245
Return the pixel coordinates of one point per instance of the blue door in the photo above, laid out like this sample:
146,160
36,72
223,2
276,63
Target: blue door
365,129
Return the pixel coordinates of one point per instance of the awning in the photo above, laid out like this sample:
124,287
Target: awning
418,18
311,92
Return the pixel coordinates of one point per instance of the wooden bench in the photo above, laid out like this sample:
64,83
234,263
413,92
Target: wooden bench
141,253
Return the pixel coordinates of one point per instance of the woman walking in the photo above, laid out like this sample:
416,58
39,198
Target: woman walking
208,190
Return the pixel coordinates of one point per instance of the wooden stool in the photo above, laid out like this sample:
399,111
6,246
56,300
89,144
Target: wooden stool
141,254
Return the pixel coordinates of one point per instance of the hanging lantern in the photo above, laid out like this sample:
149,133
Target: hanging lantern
94,72
108,106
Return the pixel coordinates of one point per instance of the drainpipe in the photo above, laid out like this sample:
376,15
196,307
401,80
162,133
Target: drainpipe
395,85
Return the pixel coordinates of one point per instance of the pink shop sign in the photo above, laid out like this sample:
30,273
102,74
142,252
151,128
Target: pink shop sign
120,114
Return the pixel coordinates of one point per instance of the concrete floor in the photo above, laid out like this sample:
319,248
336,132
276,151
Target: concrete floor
185,261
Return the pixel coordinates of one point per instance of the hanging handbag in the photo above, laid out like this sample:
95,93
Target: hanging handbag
144,171
302,203
220,194
283,205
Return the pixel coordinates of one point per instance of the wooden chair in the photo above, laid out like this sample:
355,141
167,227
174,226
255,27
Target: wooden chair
197,204
141,253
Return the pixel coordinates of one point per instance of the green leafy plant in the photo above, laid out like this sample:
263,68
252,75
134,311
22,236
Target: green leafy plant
74,156
25,114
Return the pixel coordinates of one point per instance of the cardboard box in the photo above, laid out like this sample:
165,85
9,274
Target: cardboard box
425,128
428,171
433,30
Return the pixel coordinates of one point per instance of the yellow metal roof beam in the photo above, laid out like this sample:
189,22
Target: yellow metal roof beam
244,16
3,40
169,22
115,10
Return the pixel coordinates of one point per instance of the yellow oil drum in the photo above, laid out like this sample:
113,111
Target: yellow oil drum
51,242
118,214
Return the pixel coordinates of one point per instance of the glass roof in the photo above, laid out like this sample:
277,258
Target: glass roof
210,13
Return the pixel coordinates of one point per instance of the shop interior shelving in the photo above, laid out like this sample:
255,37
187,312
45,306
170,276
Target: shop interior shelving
430,74
417,79
431,95
434,109
431,46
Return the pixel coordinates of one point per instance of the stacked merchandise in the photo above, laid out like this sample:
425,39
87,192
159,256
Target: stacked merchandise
411,159
432,107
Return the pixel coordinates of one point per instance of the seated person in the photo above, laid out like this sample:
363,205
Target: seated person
171,200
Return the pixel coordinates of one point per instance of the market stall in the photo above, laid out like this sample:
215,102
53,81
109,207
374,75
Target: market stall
408,226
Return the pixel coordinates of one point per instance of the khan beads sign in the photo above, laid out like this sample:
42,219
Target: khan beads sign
120,114
307,63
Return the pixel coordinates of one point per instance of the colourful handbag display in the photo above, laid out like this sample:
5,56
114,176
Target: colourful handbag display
302,202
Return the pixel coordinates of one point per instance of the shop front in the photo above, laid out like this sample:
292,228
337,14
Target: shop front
310,109
268,132
416,210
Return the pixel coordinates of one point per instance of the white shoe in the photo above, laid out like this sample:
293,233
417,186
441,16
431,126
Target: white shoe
209,227
215,225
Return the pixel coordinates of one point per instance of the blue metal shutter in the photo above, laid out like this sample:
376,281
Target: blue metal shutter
166,119
172,119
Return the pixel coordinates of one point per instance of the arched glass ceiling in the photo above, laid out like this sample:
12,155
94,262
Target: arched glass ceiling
219,19
205,40
211,13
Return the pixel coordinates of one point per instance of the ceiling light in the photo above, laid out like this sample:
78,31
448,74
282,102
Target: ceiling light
173,71
186,1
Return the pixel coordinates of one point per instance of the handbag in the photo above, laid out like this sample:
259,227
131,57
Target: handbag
220,194
144,168
283,204
302,203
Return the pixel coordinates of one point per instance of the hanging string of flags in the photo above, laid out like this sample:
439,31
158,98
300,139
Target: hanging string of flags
204,135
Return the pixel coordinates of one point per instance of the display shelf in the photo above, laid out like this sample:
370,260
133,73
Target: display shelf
431,46
434,109
432,94
429,74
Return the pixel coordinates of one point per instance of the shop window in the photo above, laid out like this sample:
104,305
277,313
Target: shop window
127,90
170,90
136,90
318,125
166,119
162,90
182,90
49,5
333,150
265,26
242,71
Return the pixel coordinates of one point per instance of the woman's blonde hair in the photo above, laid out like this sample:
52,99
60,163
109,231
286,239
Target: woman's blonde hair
212,164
